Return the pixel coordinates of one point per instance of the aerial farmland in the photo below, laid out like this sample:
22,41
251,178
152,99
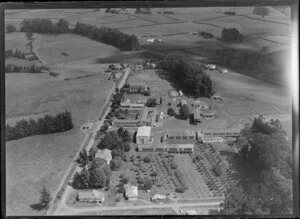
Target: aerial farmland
147,111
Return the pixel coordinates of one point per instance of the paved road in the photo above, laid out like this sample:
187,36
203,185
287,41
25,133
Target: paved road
176,206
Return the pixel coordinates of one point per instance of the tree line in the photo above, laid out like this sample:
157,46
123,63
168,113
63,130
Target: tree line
26,69
17,54
44,26
108,36
263,146
45,125
188,74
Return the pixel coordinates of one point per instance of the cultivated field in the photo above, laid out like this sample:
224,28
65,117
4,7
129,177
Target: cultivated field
16,41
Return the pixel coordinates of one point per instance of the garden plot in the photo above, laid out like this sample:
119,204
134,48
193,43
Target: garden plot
197,187
205,158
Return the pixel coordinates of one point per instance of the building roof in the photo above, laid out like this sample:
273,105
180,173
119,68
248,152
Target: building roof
198,102
131,191
183,101
197,114
158,196
104,154
173,93
180,133
136,84
126,121
144,131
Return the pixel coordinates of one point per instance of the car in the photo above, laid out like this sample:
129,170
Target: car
224,70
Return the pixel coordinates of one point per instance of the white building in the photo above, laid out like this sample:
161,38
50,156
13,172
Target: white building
143,135
131,192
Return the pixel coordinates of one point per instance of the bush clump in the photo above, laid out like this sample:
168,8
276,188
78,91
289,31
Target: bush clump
217,169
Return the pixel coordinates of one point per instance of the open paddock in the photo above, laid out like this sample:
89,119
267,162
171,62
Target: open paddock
15,41
155,18
76,47
35,161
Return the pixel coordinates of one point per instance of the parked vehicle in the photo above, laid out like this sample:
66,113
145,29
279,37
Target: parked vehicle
210,66
224,70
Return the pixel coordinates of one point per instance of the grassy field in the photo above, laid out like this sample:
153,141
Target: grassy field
76,47
15,41
33,162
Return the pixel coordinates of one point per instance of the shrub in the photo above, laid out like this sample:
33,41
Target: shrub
147,159
171,112
217,169
10,28
173,165
153,174
121,189
179,189
117,199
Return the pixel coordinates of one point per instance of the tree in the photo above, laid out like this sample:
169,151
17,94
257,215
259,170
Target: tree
115,163
160,100
234,202
231,34
147,93
62,26
151,102
217,169
147,159
97,178
171,112
184,112
127,137
45,198
179,189
83,158
10,28
148,185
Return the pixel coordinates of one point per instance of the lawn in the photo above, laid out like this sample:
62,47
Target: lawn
33,162
76,47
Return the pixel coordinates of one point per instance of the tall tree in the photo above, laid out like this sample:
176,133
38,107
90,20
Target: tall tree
97,178
45,198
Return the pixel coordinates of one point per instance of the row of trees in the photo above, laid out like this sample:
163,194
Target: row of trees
105,35
10,28
17,54
27,69
264,147
44,26
45,125
108,36
188,74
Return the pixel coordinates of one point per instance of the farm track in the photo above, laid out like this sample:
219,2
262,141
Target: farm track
273,41
269,21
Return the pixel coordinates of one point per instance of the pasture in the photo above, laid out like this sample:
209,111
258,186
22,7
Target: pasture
15,41
76,47
33,162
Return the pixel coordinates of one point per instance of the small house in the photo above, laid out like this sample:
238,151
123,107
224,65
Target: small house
158,197
91,196
180,93
104,154
131,192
